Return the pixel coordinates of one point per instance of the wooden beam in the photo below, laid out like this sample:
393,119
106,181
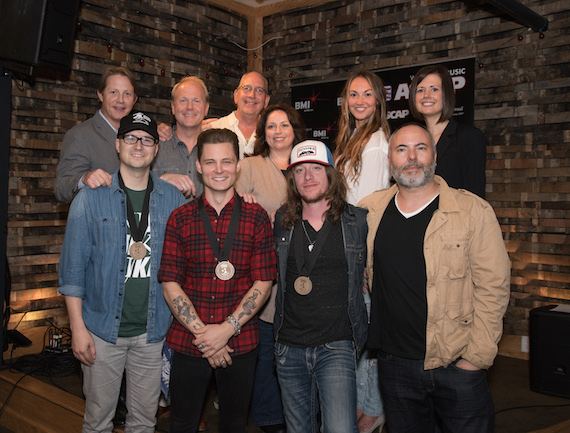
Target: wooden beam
287,5
255,40
255,22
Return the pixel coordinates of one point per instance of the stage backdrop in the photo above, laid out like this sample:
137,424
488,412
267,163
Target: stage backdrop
319,102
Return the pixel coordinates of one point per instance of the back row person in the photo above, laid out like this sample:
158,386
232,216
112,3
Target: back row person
88,155
176,161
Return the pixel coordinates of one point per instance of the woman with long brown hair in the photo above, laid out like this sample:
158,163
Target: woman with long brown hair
361,154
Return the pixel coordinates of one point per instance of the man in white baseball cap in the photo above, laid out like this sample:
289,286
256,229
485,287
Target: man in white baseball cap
320,312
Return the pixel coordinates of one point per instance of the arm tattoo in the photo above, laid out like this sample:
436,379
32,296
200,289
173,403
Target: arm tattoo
249,305
183,310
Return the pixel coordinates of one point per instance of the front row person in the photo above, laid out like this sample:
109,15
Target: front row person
320,320
440,276
217,268
107,273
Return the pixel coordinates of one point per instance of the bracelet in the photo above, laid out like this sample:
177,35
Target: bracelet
235,323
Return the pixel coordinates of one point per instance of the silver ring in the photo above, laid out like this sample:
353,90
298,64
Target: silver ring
200,346
222,361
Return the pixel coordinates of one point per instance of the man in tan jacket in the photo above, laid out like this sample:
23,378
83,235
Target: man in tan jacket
439,275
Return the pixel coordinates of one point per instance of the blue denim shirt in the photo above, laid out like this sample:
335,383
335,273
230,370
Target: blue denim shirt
354,232
93,260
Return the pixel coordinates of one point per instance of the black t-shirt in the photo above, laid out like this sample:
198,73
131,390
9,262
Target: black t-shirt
322,315
399,305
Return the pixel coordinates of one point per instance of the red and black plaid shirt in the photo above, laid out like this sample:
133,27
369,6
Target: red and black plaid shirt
188,259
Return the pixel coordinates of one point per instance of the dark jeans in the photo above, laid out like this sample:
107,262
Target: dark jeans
189,381
266,407
416,399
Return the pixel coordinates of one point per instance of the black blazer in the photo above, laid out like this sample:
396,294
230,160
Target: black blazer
461,157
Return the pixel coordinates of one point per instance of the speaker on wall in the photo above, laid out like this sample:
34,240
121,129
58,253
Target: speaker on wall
37,32
550,351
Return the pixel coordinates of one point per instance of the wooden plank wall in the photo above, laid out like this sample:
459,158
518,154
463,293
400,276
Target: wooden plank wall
180,36
521,104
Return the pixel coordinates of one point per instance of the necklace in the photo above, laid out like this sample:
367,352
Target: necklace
311,243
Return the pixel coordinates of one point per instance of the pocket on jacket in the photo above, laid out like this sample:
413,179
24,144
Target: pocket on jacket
108,232
453,255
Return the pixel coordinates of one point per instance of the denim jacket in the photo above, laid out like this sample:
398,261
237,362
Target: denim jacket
93,259
354,232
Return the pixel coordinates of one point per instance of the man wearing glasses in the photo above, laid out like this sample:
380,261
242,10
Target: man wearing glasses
251,97
107,273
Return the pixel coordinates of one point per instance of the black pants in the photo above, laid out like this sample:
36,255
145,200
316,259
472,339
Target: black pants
189,381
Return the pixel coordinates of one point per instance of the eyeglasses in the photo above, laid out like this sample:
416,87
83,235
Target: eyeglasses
131,140
258,90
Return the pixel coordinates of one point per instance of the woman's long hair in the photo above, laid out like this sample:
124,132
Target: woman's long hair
336,193
349,144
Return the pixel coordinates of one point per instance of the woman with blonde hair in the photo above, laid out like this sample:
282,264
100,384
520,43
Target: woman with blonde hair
361,154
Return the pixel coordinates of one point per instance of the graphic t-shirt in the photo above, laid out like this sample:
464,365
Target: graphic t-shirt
137,277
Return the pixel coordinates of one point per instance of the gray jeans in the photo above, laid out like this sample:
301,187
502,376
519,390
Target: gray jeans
102,384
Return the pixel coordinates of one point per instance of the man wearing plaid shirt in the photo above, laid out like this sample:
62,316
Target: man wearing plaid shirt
214,286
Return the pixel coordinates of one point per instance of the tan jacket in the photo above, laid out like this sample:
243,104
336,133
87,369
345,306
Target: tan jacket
468,275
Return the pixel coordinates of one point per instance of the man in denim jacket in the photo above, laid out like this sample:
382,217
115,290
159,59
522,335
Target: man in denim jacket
320,320
107,273
439,273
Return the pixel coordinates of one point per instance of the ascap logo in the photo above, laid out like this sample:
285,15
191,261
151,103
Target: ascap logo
306,150
388,90
397,114
141,118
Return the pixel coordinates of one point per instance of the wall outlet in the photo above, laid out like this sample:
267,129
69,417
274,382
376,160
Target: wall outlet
525,344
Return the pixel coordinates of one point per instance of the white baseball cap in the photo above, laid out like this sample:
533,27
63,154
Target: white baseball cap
311,151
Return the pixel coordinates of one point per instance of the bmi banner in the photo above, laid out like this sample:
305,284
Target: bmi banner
319,103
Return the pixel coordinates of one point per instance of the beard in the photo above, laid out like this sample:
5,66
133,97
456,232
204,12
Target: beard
406,181
314,199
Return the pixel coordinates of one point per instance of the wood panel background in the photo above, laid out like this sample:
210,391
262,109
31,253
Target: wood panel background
521,96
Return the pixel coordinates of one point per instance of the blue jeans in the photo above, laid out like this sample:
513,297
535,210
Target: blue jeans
102,384
327,372
416,399
367,387
266,407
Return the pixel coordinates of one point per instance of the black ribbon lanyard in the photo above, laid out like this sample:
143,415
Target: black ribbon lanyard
221,254
137,230
304,258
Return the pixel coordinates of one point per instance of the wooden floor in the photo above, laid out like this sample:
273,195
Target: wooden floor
37,407
34,406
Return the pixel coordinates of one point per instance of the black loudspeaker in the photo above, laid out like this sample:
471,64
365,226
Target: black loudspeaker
550,350
37,32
